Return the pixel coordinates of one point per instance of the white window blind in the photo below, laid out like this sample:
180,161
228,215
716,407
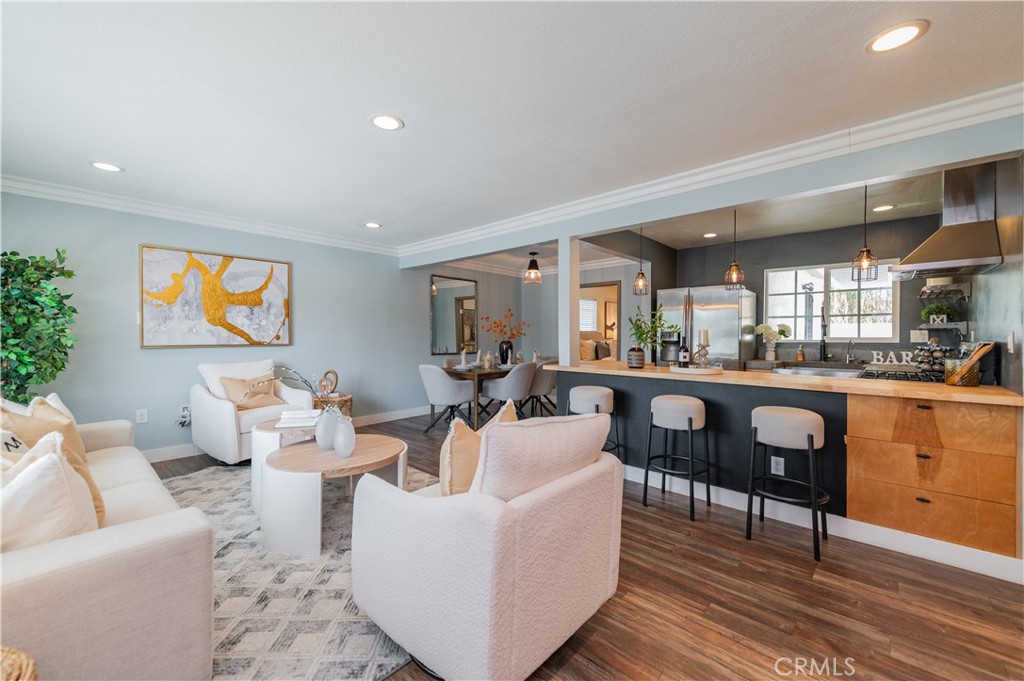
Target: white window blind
588,314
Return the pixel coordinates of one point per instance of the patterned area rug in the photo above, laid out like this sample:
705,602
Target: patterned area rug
279,617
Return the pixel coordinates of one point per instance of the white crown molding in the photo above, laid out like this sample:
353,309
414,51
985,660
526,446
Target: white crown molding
993,105
490,268
55,192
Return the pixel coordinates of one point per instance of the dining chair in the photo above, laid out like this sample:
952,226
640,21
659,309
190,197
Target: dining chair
445,391
515,386
540,390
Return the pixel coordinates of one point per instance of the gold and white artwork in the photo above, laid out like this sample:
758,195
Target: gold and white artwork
192,298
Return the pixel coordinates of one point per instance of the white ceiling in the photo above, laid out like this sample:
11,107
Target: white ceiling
513,263
259,111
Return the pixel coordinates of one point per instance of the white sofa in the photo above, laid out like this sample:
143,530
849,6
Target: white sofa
488,584
131,600
218,427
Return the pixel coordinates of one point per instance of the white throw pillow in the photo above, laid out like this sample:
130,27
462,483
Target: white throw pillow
518,457
43,498
212,373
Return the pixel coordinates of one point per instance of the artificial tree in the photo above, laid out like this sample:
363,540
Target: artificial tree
37,322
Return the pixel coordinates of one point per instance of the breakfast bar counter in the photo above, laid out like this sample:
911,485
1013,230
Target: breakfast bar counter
847,386
905,455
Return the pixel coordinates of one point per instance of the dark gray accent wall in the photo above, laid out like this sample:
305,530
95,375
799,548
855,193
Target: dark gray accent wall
706,266
998,306
661,257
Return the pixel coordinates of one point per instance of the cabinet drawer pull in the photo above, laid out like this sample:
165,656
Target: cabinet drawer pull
924,500
924,456
924,406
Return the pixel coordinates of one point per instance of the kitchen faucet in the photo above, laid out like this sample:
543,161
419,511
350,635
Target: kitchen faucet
822,352
849,352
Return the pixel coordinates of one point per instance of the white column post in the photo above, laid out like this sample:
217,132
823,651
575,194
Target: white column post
568,300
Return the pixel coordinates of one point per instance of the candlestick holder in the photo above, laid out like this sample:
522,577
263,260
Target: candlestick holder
700,356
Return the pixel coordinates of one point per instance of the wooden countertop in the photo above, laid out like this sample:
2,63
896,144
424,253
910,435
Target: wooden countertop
985,394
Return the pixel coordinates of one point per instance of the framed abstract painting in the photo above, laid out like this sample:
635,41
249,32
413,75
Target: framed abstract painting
199,299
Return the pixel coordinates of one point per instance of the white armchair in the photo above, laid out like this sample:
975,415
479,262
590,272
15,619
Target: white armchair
488,584
221,430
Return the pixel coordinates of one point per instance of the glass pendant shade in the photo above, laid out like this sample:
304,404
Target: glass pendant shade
734,275
532,275
641,286
865,265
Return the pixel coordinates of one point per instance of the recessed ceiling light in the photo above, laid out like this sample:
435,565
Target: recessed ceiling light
883,208
897,36
710,235
109,167
373,225
387,122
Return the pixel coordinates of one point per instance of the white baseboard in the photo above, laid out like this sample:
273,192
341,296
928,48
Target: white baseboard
172,452
991,564
371,419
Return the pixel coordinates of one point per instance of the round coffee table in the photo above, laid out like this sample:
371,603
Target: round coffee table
293,478
266,438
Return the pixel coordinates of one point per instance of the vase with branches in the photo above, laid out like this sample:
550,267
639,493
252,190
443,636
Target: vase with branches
504,332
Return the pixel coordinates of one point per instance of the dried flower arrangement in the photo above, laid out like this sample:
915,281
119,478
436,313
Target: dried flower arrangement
503,329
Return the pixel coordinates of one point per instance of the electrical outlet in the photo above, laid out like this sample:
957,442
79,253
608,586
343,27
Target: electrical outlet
141,416
778,465
186,412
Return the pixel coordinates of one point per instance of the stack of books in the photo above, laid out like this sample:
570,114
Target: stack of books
302,418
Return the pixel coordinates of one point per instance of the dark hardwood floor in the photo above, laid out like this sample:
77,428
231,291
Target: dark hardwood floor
698,601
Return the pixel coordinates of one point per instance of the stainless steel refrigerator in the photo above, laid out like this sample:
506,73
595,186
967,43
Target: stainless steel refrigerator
729,317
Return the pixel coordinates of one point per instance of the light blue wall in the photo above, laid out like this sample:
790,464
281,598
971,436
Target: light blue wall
540,308
351,311
495,293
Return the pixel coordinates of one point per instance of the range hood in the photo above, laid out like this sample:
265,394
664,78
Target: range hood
968,241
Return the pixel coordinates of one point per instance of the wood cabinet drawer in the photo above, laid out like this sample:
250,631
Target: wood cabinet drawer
980,524
967,474
985,428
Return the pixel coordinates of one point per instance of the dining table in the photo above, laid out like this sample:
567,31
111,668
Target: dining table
478,375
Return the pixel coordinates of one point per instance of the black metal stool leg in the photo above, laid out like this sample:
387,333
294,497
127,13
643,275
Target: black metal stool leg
764,474
750,480
689,460
667,462
707,462
814,495
824,513
619,448
647,466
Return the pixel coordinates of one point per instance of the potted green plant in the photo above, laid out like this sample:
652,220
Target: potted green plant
646,333
938,313
36,322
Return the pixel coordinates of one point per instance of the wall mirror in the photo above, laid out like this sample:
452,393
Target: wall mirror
452,315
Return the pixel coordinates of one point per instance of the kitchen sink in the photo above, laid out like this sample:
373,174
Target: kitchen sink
840,371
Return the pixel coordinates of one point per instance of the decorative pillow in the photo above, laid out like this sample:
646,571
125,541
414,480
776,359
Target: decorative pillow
588,350
461,451
41,419
602,349
43,498
260,396
518,457
53,399
212,373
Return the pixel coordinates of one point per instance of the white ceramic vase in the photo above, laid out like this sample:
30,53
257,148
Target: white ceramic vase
769,353
326,424
344,437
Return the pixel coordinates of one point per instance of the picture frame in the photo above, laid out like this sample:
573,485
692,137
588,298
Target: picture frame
611,319
193,298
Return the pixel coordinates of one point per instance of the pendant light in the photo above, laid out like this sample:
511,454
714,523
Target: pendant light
734,275
532,275
865,265
641,287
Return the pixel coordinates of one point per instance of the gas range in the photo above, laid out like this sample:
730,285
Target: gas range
905,375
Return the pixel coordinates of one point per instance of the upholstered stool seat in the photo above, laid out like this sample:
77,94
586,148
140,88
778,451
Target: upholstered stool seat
588,399
787,428
677,413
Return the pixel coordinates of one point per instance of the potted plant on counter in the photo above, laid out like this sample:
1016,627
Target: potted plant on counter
771,337
646,333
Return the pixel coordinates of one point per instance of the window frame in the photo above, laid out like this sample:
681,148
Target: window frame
597,315
894,339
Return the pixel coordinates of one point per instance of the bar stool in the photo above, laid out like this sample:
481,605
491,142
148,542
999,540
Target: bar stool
788,428
590,399
674,413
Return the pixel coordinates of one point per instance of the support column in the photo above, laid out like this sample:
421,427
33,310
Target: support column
568,300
